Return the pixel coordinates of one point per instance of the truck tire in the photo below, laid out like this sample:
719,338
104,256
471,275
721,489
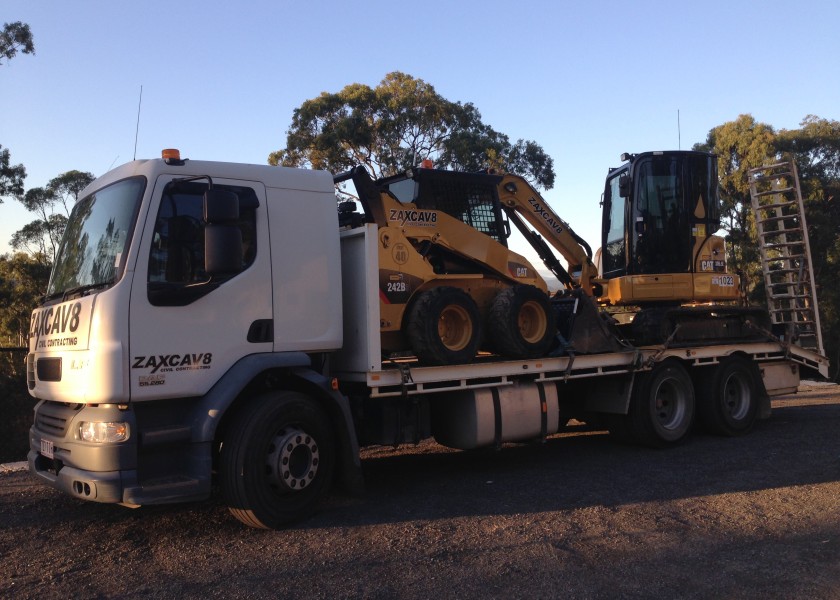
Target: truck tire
521,323
727,401
443,327
661,406
276,460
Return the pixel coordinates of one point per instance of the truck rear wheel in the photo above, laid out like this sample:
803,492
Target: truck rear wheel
728,400
443,327
276,460
662,406
521,323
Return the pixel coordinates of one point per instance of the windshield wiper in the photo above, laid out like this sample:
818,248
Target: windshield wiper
85,288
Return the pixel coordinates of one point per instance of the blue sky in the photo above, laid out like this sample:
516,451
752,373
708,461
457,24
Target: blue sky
586,80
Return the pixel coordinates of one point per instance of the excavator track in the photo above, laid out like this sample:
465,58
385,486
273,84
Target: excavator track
699,325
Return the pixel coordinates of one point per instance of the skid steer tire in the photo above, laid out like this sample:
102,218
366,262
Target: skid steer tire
521,323
443,327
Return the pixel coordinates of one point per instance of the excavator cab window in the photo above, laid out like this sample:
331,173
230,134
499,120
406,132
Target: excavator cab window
662,238
613,256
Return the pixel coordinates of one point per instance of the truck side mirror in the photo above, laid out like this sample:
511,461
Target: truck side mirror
222,249
220,206
624,185
222,237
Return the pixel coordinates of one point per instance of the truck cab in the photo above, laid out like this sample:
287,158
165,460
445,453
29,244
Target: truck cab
176,282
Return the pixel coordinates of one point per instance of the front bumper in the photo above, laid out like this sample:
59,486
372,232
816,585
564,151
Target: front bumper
87,485
97,472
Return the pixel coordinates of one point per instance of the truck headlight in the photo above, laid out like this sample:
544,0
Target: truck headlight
101,433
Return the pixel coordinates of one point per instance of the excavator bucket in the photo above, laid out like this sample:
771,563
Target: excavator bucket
582,328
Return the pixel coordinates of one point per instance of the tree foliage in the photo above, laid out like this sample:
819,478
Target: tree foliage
22,280
741,145
395,126
52,205
15,37
11,176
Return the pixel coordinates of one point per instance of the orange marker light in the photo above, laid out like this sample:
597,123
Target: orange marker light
427,164
170,154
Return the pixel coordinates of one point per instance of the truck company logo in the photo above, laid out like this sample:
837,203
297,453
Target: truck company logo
415,218
549,220
169,363
56,321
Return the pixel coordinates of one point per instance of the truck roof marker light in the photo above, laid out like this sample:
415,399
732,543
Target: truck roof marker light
427,164
172,156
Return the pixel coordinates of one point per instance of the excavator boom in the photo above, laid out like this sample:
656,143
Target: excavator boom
521,201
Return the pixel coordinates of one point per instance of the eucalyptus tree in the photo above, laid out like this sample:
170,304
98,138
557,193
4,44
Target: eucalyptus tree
396,125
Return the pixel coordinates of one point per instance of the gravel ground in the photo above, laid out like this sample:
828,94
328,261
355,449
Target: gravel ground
577,517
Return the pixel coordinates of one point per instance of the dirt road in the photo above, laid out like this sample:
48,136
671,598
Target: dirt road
577,517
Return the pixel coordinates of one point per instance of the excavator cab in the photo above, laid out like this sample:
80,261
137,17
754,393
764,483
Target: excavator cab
660,212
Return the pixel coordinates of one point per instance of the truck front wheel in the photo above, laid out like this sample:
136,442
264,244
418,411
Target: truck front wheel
276,460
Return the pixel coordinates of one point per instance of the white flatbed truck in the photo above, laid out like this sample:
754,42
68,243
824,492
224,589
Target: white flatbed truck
162,364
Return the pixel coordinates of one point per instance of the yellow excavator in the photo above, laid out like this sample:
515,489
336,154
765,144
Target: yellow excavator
450,286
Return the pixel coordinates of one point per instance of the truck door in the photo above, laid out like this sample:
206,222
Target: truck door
186,328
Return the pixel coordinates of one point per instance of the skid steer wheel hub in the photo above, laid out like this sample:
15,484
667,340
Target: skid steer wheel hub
292,460
455,327
532,322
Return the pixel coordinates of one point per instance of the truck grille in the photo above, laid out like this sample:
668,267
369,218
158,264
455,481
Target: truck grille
54,417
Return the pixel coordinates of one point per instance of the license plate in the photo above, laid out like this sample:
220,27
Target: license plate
47,448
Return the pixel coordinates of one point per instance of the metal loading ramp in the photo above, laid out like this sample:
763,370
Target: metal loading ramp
776,200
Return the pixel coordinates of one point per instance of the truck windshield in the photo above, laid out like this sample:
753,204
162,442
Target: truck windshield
92,251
